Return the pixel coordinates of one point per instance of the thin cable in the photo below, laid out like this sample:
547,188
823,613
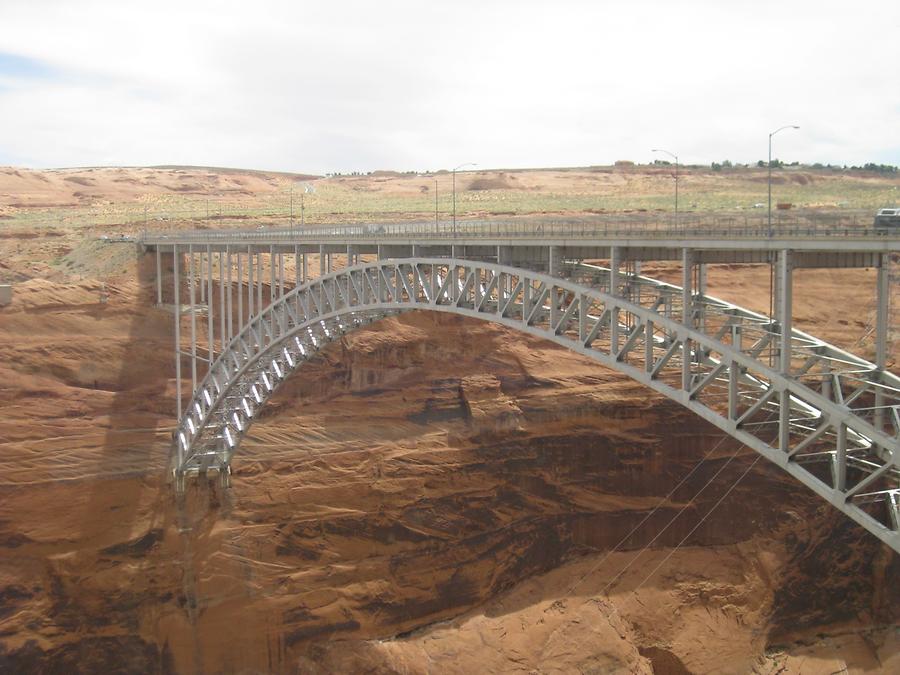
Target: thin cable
648,516
674,518
708,513
682,510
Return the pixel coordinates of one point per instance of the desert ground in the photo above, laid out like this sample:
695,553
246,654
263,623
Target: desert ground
430,495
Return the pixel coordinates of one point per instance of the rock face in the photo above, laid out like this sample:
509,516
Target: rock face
431,494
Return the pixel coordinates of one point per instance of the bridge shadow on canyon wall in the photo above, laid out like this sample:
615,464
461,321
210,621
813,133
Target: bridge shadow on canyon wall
104,560
140,415
111,575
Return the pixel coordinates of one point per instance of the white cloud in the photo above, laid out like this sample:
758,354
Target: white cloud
363,85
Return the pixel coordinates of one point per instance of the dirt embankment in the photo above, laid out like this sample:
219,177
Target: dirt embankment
27,188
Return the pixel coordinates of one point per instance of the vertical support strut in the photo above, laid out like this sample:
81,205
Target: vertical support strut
259,284
158,276
240,294
615,260
774,304
734,373
210,325
272,280
228,282
700,294
554,306
733,390
223,336
786,288
785,308
882,318
193,310
839,472
687,314
200,277
554,267
272,285
176,307
250,294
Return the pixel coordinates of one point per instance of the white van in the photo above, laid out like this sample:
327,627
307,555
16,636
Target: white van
887,218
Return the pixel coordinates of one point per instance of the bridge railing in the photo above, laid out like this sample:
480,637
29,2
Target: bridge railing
521,230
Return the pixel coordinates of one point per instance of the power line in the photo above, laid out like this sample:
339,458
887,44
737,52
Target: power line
674,518
648,516
708,513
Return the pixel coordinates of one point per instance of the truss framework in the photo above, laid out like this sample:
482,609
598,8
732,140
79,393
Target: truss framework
828,418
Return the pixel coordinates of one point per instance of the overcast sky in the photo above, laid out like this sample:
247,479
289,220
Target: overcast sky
361,85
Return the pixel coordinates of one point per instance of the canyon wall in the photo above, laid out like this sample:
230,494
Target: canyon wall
430,493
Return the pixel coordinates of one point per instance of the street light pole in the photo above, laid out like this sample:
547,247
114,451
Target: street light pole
787,126
436,227
675,157
455,169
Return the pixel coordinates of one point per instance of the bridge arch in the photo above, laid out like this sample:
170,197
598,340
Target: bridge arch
716,370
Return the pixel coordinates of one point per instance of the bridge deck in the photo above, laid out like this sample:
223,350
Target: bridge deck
837,239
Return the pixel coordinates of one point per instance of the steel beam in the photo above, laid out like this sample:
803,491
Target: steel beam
240,293
882,324
193,311
223,336
210,325
251,291
555,261
228,282
785,308
176,307
687,315
259,283
159,276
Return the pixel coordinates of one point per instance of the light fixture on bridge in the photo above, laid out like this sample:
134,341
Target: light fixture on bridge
787,126
675,157
455,169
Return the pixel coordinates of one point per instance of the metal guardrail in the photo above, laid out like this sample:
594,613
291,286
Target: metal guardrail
519,230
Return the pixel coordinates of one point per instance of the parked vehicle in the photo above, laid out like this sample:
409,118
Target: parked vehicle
887,218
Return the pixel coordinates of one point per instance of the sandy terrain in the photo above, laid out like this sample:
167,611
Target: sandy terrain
431,495
197,197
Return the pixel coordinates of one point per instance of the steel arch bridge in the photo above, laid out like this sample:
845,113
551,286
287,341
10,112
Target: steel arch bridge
825,416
